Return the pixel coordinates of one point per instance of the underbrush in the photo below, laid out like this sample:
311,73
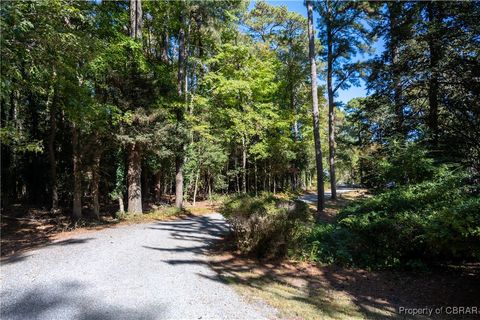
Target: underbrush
436,221
416,226
263,226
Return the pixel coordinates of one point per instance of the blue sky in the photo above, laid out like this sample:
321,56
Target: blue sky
298,6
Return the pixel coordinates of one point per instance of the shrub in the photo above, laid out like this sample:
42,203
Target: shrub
433,221
397,164
263,225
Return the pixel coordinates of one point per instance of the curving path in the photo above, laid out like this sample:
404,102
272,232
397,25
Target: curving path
156,270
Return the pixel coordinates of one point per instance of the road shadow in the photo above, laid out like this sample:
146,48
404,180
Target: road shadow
202,234
36,228
45,302
21,256
374,295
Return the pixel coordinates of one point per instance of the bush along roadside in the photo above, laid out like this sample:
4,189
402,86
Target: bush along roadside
264,226
414,226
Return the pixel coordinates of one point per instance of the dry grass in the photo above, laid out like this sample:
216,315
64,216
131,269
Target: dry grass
300,290
296,290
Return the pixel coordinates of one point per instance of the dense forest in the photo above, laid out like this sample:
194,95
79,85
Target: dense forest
112,106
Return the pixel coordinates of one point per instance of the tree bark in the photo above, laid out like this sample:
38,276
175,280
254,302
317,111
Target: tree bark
179,182
315,113
195,188
244,165
165,44
96,181
51,153
256,178
209,184
158,186
394,11
331,115
121,206
77,182
136,21
134,172
435,56
134,180
237,179
145,184
179,161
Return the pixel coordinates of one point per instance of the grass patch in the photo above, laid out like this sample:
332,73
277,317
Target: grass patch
158,214
297,290
297,303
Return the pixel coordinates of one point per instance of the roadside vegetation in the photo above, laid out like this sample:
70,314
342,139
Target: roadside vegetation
413,226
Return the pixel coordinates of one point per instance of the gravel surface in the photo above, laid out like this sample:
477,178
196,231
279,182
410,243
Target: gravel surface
155,270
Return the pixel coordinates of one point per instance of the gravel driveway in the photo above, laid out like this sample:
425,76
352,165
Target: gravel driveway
155,270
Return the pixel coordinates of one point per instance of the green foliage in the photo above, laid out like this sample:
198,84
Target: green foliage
264,225
397,164
16,139
419,224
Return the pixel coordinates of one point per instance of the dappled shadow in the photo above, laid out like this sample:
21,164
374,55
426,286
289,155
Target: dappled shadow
14,259
200,233
66,299
412,290
70,241
375,295
39,228
333,291
21,256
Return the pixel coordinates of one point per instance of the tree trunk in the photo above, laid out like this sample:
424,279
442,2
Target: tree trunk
164,54
96,181
121,206
209,180
77,182
136,21
331,115
134,174
158,186
145,184
179,161
256,179
51,153
316,122
394,12
244,165
435,57
270,177
179,182
237,179
195,188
